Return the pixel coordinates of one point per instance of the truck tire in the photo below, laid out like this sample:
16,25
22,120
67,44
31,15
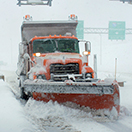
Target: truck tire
23,95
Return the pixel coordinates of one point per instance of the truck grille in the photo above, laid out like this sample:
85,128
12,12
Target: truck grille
71,68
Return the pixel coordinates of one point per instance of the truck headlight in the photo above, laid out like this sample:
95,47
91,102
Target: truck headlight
41,76
37,54
86,52
88,75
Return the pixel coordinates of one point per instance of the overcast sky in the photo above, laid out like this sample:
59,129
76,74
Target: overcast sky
95,13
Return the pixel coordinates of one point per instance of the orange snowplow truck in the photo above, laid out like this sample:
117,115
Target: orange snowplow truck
51,68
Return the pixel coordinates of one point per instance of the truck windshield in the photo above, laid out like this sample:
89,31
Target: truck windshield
53,45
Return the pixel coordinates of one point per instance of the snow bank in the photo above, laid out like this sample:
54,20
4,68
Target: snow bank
12,118
61,118
50,115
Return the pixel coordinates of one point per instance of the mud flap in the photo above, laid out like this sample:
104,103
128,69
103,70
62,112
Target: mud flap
23,95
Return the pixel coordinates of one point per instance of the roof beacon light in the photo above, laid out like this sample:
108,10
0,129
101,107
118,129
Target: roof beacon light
27,18
72,17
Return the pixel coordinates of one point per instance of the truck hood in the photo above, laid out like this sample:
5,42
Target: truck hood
63,58
60,56
44,62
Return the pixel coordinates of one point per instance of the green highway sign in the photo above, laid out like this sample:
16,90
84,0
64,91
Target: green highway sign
117,30
80,29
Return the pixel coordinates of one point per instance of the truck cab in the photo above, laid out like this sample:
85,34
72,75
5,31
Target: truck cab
57,57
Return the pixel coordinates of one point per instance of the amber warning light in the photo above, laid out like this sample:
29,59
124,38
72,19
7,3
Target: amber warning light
72,17
86,52
37,54
27,18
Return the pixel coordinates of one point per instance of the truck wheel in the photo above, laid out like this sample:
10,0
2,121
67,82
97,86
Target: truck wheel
23,95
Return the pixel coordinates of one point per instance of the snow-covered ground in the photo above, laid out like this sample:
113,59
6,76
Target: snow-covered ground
35,116
12,115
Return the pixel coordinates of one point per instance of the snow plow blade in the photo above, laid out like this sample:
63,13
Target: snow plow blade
96,96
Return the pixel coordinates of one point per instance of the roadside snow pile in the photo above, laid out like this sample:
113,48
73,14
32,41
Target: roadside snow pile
124,111
51,115
99,115
12,117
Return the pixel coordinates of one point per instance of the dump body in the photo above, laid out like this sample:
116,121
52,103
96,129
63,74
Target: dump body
31,29
50,67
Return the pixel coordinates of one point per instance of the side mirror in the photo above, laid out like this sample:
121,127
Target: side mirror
88,46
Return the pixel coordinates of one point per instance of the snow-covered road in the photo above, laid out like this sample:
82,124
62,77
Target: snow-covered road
12,116
37,116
